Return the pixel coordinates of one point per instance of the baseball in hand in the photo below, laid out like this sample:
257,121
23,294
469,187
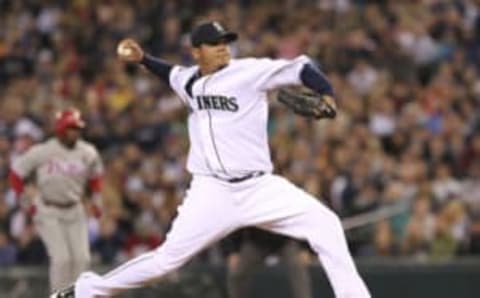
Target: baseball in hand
124,50
128,50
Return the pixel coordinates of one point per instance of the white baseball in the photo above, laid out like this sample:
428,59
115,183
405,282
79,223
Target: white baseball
124,51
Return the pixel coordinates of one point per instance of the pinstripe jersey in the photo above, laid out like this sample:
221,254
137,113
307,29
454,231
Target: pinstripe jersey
228,116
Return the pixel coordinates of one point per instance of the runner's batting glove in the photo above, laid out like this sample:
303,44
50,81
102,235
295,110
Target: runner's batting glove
96,205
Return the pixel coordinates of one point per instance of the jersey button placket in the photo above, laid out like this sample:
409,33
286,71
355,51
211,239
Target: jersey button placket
204,129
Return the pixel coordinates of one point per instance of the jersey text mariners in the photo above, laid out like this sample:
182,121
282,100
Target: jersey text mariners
229,113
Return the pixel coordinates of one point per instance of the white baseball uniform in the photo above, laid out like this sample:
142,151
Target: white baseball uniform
61,176
232,184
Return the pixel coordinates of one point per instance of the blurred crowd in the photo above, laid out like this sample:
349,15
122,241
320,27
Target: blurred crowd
406,75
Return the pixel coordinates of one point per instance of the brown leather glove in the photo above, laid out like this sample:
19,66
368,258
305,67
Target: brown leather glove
308,103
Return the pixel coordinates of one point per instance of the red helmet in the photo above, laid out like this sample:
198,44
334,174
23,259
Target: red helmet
68,118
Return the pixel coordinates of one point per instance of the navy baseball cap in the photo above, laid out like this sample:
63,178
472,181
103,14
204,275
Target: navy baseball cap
211,33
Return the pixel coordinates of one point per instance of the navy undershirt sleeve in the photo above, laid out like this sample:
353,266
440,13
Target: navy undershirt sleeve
158,66
314,79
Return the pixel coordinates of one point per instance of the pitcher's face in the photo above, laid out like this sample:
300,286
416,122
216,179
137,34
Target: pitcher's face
215,55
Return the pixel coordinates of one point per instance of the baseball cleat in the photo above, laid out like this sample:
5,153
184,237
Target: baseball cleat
65,293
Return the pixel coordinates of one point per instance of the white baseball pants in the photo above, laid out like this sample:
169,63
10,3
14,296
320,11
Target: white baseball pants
214,208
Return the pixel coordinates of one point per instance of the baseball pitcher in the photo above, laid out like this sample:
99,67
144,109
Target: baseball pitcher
63,168
229,158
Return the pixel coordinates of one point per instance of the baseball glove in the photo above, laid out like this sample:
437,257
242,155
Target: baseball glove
308,103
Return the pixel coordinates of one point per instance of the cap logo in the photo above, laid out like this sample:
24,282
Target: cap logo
218,27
